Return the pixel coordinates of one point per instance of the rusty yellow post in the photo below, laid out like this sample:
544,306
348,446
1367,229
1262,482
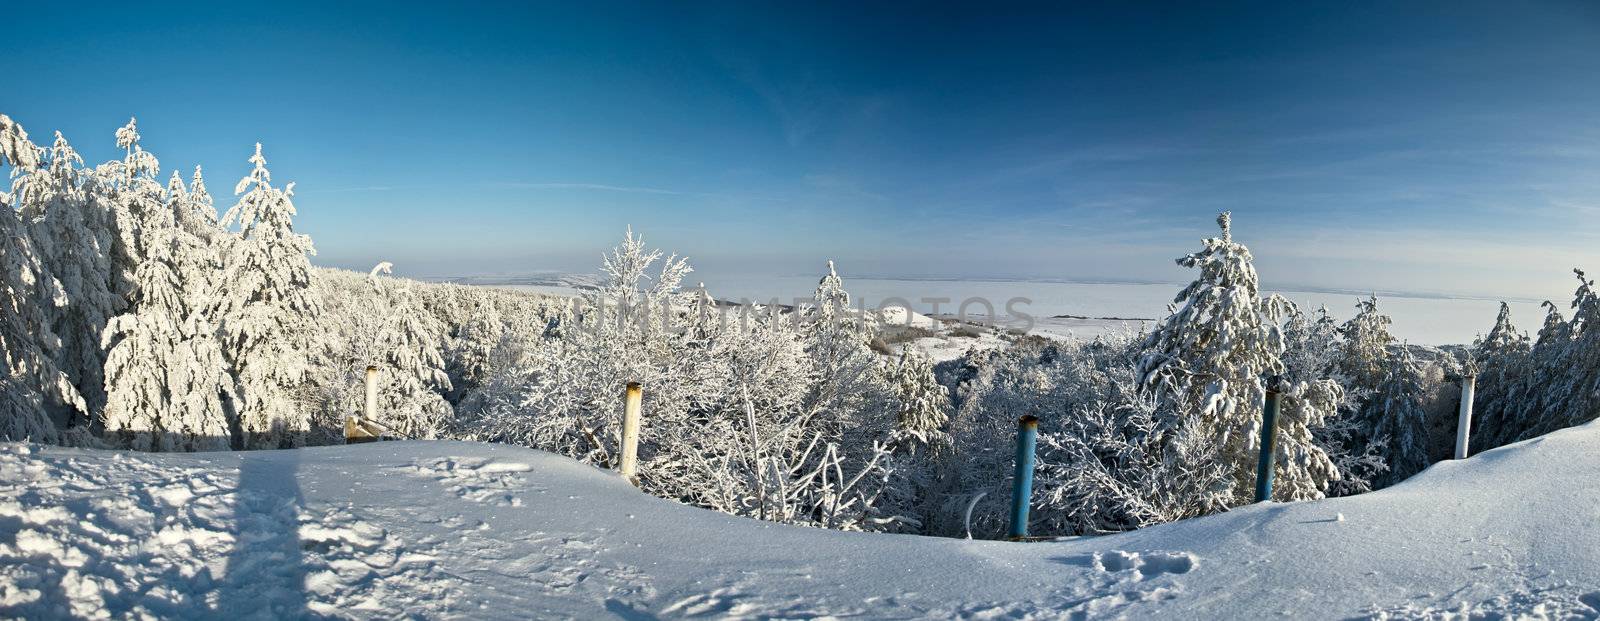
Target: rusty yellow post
630,433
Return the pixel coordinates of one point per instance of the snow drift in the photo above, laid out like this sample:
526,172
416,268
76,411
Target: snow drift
439,529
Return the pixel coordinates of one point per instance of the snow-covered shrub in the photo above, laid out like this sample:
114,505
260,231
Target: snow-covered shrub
749,414
1102,463
1312,355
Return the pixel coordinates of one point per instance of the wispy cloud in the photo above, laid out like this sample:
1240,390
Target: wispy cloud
365,188
599,187
633,189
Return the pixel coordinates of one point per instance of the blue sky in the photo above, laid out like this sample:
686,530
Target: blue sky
1450,147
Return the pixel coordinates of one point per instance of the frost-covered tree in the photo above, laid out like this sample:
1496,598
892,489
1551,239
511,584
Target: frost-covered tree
130,191
165,379
1400,418
32,387
1366,342
75,235
1312,356
15,147
1569,367
838,342
731,415
921,404
268,301
408,351
1501,358
1208,363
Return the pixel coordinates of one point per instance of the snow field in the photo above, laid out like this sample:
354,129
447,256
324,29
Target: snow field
448,529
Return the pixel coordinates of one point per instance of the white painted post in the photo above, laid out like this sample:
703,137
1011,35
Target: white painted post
630,433
1464,425
371,412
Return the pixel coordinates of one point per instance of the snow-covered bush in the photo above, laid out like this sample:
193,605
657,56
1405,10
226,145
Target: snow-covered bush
750,414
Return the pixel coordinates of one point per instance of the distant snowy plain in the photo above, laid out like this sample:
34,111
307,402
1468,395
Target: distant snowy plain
1418,319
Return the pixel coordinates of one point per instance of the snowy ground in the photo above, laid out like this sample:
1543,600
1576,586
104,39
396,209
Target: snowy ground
448,529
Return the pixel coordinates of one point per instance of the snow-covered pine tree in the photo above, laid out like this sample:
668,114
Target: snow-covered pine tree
839,343
921,404
15,147
165,380
1501,358
75,236
1570,367
1366,342
1208,363
132,191
1511,416
267,305
32,387
1399,416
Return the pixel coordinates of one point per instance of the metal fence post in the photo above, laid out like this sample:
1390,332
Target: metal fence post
1269,442
1022,481
1464,425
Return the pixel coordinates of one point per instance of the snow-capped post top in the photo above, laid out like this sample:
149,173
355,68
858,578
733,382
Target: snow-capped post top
1273,383
1225,220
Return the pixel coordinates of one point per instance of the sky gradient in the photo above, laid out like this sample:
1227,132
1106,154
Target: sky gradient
1451,147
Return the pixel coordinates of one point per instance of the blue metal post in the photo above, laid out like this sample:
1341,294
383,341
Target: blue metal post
1022,481
1269,443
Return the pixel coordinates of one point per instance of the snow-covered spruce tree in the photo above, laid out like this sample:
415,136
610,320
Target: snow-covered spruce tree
1366,342
130,191
1501,359
921,404
1569,368
838,341
1507,418
32,387
266,307
1400,419
1207,365
75,235
165,378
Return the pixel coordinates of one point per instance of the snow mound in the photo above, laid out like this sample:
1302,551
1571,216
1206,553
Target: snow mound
449,529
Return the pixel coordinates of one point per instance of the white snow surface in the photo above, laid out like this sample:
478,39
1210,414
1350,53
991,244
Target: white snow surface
462,530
